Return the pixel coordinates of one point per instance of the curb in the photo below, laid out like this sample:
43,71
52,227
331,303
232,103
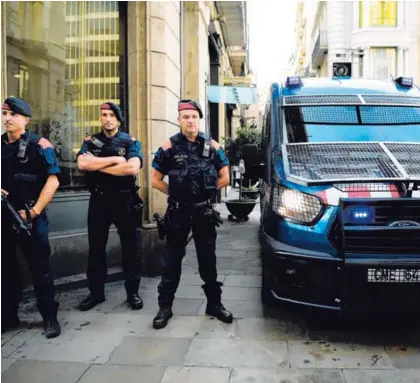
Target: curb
77,281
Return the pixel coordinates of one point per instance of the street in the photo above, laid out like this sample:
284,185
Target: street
112,343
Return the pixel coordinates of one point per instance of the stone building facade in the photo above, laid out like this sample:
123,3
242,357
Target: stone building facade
66,58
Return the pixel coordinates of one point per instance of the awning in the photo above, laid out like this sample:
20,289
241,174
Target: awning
232,95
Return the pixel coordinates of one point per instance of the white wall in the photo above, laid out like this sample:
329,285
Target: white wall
346,38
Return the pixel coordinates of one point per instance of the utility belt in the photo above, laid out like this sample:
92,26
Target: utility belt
205,207
176,205
104,190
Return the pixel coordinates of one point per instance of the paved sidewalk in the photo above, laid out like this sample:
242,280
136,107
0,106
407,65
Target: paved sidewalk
114,344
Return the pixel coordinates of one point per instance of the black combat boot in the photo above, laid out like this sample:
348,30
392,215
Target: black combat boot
214,305
134,300
90,302
162,318
51,326
217,310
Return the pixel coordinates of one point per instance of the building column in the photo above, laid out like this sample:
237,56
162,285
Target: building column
191,49
406,71
3,53
355,66
366,63
402,14
400,61
138,90
356,14
366,21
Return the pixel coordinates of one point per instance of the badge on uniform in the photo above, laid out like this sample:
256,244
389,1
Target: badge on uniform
97,142
121,151
206,149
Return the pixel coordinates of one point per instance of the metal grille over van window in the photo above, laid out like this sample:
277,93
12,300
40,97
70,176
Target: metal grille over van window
351,99
331,162
390,99
408,155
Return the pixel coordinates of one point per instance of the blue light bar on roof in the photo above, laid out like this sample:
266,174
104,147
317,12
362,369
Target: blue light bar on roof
405,81
294,82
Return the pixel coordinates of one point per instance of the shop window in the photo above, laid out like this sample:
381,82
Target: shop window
66,59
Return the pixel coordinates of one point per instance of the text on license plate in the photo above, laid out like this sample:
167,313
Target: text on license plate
394,275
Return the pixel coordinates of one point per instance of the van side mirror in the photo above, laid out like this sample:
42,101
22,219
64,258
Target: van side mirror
251,156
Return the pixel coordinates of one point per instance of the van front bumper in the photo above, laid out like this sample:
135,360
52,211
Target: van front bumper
320,280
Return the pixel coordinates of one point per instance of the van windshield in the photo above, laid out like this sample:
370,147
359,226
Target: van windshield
352,123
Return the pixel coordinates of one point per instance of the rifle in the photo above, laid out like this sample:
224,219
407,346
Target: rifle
19,225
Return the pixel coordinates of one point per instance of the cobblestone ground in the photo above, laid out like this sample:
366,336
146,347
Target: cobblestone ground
112,343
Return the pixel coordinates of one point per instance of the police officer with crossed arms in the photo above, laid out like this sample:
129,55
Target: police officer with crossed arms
29,180
197,168
112,160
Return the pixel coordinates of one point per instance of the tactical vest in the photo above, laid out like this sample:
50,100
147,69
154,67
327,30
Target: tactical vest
23,168
192,174
102,146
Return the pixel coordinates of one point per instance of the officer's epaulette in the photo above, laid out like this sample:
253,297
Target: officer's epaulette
125,138
175,139
34,138
204,136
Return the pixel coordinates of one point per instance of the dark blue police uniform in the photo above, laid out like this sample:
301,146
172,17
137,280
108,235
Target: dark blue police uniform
25,167
113,199
192,169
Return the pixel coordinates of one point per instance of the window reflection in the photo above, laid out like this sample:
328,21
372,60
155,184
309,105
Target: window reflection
64,59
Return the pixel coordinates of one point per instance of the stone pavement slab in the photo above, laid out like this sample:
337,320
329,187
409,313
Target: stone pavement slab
17,340
75,344
241,293
237,353
25,371
271,329
404,356
324,354
195,279
195,326
6,363
196,374
181,306
151,351
123,374
243,281
382,376
259,375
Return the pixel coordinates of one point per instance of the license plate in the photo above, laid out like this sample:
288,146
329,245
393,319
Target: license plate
394,275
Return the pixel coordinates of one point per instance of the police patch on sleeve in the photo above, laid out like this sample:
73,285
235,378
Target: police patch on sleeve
121,151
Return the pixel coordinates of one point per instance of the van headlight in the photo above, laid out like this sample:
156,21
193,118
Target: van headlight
295,205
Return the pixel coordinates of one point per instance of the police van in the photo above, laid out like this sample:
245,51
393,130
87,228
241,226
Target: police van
339,174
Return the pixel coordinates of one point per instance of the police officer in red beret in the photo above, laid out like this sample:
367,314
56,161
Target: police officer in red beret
197,168
29,179
112,160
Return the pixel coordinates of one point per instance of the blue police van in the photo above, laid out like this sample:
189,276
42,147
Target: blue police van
339,171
